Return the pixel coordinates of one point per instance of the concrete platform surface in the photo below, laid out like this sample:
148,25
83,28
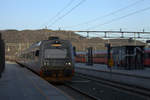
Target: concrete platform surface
132,77
18,83
102,67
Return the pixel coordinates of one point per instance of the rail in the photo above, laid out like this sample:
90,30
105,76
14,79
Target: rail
126,87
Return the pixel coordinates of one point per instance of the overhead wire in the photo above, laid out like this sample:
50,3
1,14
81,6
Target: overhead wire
106,15
59,12
119,18
68,12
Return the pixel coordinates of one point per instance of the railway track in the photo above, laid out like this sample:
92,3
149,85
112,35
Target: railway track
136,89
131,80
101,89
118,73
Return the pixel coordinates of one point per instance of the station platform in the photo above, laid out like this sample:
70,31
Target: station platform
18,83
132,77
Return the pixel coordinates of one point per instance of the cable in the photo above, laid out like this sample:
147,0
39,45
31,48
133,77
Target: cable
59,18
107,15
59,12
119,18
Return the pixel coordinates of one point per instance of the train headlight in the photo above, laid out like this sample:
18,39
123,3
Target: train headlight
68,63
45,63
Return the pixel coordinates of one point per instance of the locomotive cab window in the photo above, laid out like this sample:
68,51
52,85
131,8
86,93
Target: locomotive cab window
37,53
55,53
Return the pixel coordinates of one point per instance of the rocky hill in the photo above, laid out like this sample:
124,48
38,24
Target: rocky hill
18,40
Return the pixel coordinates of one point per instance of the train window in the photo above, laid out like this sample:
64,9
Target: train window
37,53
55,53
80,55
100,55
147,55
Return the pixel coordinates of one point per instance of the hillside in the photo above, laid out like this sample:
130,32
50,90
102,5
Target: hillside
17,41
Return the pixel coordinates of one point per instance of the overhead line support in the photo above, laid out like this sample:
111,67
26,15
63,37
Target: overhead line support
114,32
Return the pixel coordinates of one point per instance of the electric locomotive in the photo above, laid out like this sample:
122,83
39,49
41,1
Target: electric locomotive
53,59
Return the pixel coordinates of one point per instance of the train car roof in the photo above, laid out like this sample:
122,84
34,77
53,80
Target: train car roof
100,51
38,44
94,52
128,46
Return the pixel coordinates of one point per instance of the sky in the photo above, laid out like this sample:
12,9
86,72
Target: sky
38,14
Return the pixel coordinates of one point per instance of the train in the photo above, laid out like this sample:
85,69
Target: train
147,57
100,57
52,59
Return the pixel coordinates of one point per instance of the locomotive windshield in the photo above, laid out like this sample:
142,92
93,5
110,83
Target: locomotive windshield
55,53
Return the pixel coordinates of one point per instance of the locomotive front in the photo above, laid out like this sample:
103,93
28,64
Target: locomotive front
57,60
